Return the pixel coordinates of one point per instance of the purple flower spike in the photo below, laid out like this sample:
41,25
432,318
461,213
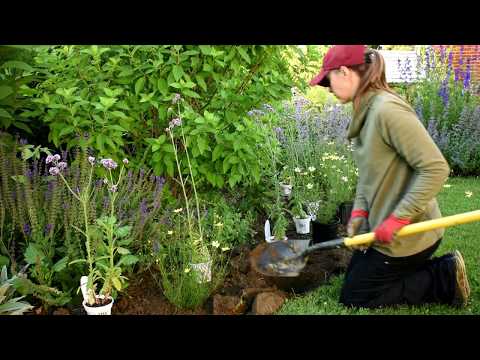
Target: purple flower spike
108,164
54,171
48,229
27,230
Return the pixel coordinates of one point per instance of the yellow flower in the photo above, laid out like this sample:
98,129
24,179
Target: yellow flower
178,210
187,270
309,186
169,232
225,248
447,185
468,194
215,244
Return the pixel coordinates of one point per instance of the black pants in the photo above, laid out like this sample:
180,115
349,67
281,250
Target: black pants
375,280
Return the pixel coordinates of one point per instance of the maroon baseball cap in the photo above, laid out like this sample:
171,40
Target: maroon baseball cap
339,55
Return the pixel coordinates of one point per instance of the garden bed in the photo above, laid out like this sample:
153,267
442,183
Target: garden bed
244,291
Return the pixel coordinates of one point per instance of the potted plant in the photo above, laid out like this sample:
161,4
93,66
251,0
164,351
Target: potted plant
285,182
105,239
300,216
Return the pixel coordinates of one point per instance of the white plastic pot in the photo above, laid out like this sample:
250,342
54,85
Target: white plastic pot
98,310
302,226
204,270
286,189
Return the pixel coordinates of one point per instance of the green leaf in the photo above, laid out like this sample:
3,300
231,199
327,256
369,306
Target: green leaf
205,49
5,91
177,72
123,231
4,261
162,86
139,85
169,164
23,126
107,102
190,93
60,264
17,65
116,282
128,260
5,114
33,254
217,152
66,130
123,251
243,54
201,82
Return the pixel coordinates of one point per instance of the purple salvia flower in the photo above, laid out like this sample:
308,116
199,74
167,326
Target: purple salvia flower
98,183
29,174
106,202
48,229
27,230
142,173
54,171
23,141
143,211
466,80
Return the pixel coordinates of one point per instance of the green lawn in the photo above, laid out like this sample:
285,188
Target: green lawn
453,200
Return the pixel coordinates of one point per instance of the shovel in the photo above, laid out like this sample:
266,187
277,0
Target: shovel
280,259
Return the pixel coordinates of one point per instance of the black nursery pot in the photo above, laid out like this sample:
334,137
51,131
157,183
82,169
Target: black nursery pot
344,212
324,232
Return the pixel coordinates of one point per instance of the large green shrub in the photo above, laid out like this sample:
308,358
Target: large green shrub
122,97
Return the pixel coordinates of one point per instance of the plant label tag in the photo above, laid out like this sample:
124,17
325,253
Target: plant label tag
268,233
83,286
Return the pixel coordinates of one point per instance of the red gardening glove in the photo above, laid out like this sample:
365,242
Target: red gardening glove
386,231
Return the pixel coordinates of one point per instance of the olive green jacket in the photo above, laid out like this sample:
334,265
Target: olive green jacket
401,170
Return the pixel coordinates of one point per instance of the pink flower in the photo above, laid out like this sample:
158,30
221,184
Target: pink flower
108,164
91,160
49,159
113,188
62,165
125,161
54,171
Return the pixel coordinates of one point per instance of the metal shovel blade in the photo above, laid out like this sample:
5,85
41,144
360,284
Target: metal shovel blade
277,259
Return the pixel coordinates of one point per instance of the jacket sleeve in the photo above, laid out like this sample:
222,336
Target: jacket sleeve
402,130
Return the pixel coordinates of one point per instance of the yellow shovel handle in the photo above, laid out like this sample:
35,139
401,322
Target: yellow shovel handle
420,227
